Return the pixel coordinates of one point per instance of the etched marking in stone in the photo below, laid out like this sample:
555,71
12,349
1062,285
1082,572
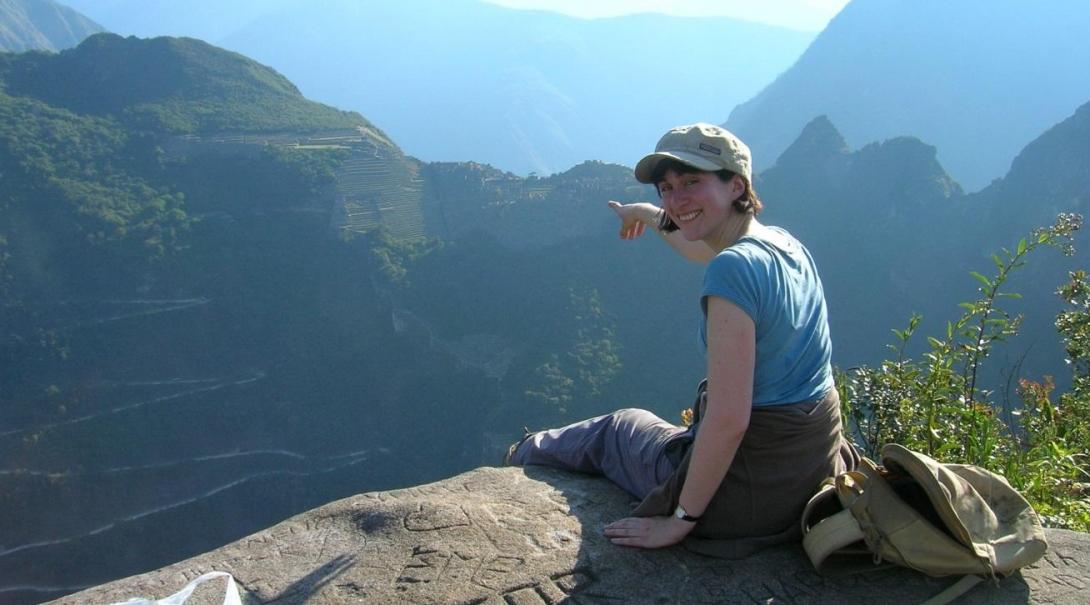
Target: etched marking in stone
431,517
461,568
524,596
426,565
573,581
1070,580
478,485
551,593
493,574
1067,559
715,585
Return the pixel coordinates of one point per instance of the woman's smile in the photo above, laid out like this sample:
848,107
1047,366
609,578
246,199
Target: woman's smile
700,204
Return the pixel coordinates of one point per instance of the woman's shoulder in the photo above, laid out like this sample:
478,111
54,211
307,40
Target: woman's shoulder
769,235
758,246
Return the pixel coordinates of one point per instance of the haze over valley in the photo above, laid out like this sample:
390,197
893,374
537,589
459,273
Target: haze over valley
299,254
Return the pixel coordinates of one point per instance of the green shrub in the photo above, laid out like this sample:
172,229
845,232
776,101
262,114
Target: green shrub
936,405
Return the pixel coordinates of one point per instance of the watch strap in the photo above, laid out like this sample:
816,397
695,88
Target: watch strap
682,514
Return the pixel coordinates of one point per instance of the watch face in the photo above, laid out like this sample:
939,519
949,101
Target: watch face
682,514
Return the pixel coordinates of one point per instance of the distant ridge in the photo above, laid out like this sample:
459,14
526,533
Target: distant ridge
178,85
41,25
977,79
459,80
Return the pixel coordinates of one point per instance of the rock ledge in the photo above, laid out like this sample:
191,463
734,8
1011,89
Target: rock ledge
515,536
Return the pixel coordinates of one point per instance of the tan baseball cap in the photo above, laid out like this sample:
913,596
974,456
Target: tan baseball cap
702,146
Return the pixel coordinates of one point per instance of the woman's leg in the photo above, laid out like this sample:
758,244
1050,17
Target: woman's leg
627,446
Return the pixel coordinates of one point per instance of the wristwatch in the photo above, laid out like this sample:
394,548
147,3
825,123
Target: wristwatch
680,513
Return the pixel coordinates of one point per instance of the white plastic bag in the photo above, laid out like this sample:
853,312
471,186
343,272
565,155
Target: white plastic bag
229,598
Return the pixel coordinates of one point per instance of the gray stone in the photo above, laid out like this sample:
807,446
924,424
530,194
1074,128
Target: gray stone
516,536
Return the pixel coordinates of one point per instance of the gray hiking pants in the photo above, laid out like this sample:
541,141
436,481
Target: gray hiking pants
634,448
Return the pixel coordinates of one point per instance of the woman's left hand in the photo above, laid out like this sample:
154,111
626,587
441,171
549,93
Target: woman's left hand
648,532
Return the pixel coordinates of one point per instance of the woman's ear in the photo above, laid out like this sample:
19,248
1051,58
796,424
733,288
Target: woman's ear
737,186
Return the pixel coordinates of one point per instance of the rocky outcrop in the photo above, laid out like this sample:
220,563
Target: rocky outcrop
528,536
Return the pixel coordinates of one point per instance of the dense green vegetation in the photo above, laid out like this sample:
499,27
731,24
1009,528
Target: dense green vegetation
177,85
936,404
73,181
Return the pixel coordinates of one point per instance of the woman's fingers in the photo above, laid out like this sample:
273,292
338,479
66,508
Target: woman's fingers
647,532
627,532
626,526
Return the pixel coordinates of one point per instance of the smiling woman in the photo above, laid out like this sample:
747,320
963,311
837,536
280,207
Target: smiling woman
766,424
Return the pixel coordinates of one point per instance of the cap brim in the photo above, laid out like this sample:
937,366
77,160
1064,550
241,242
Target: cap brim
646,167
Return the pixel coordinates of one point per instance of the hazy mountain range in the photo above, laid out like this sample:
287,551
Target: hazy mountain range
41,25
216,309
464,80
978,79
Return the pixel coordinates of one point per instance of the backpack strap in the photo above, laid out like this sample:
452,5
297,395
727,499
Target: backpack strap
955,590
824,536
830,535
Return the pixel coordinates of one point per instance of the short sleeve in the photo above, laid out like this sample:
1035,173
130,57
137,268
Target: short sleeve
734,275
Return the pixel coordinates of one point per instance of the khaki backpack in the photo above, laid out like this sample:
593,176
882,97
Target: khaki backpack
939,519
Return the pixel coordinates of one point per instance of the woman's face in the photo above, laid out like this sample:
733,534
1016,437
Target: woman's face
698,202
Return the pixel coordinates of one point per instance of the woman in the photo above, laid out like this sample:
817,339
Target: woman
767,427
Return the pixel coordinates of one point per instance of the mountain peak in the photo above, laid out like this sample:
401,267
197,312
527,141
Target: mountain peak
880,71
818,141
1060,157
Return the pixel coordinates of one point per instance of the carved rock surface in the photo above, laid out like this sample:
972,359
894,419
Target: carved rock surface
515,536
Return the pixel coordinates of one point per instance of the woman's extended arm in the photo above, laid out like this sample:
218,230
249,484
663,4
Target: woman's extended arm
732,345
635,218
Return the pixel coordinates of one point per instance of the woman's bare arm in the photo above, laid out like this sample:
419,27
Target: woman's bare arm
636,218
732,351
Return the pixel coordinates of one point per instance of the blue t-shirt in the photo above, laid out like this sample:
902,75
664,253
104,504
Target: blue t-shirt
771,276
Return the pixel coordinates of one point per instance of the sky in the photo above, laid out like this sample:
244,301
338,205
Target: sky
805,15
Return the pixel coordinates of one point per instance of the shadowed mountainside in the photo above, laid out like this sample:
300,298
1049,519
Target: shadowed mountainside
940,71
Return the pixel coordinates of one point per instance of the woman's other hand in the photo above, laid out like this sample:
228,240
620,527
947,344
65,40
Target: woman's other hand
648,532
635,217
